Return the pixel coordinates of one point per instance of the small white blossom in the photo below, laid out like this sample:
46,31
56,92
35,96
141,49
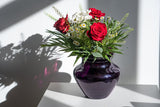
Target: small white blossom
71,29
78,17
116,33
102,18
97,18
83,25
76,43
76,29
88,11
109,18
68,35
118,22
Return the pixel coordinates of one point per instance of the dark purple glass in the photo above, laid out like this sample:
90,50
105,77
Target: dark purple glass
97,79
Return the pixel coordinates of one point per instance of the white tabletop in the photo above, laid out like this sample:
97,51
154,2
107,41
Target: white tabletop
69,95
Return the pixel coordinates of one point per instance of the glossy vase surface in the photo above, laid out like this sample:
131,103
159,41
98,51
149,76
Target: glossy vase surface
96,78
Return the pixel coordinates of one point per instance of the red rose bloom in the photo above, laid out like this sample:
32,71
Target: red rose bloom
96,13
62,25
97,31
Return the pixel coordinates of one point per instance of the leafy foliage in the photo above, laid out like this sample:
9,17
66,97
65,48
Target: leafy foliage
80,45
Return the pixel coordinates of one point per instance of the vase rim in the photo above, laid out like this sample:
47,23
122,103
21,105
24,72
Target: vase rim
98,60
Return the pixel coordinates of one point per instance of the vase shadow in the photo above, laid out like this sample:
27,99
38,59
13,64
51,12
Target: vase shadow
70,89
32,68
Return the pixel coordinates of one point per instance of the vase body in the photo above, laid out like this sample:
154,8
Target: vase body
96,79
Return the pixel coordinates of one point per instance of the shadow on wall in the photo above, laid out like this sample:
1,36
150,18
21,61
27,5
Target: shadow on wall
20,9
32,68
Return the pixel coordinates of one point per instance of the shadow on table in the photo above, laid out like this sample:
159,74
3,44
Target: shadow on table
47,102
32,68
140,104
148,90
70,89
74,89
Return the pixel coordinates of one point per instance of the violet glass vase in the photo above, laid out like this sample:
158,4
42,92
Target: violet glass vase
96,79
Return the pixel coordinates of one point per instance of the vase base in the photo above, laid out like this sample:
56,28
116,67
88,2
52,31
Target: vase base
97,90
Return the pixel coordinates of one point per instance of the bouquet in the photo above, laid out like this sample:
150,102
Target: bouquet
89,33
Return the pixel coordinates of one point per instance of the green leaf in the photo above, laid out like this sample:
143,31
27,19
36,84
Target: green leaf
85,59
115,44
97,54
129,30
55,33
107,58
57,11
44,45
72,54
116,51
67,49
123,38
76,60
124,18
51,17
80,7
99,49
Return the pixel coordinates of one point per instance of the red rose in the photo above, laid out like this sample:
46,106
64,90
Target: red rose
96,13
62,25
97,31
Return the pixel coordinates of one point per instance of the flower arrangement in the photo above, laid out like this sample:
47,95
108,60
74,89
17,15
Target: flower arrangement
89,33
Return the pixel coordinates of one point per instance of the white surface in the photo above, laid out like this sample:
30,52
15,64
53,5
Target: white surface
3,3
69,95
148,42
4,90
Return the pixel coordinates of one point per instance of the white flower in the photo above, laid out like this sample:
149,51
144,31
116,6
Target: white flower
88,11
76,43
109,18
83,25
78,17
97,18
116,33
102,18
76,29
71,29
68,35
118,22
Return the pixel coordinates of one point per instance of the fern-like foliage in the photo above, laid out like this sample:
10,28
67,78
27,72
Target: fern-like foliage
80,45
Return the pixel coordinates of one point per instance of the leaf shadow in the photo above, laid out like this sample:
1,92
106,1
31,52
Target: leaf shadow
32,68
